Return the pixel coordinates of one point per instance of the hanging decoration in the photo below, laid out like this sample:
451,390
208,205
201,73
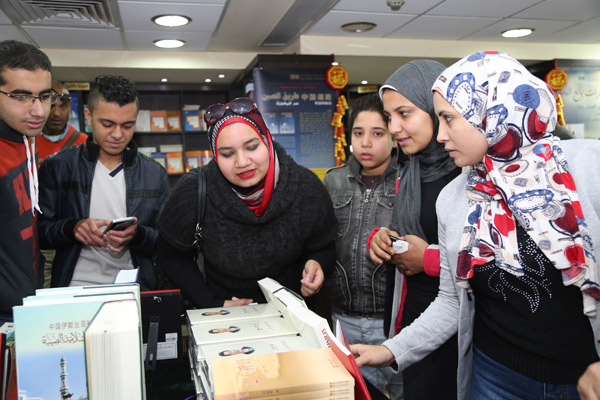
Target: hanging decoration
337,79
557,80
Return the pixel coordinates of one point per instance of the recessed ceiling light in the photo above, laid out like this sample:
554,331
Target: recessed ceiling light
208,80
164,80
169,43
335,63
364,82
517,33
171,20
221,76
358,27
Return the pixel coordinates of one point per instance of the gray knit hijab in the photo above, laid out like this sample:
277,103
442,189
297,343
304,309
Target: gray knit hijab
414,80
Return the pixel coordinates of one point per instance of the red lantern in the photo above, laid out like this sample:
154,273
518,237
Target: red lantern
557,79
337,77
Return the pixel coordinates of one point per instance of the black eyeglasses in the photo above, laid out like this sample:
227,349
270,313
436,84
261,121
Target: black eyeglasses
241,106
27,100
64,97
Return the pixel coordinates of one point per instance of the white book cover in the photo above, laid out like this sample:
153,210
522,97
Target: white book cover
221,314
113,352
237,349
235,331
142,124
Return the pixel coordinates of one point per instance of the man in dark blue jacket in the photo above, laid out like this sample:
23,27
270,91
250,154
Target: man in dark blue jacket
82,189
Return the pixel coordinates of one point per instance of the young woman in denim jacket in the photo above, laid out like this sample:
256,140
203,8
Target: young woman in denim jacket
363,193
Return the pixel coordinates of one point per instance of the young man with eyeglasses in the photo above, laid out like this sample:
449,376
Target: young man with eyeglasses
58,134
85,187
25,100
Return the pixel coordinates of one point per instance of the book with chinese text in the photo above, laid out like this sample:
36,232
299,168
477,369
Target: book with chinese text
49,334
262,375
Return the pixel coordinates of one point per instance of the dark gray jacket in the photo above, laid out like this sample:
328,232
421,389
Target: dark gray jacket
357,285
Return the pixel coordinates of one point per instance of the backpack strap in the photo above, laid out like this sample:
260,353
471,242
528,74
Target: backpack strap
201,206
69,143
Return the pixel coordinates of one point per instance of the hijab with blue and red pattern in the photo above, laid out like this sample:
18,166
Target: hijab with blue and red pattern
524,177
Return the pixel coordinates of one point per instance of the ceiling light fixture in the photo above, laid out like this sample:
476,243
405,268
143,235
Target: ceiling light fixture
221,76
335,63
208,80
358,27
171,20
164,80
169,43
517,33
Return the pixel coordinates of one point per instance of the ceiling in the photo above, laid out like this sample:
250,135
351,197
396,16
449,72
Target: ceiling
85,38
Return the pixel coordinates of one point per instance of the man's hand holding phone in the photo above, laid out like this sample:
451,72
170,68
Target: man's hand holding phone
119,233
89,232
120,224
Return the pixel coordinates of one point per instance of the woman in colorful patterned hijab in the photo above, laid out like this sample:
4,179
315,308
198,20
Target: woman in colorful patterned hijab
524,178
526,251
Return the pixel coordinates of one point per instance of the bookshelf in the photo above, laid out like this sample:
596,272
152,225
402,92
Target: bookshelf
173,98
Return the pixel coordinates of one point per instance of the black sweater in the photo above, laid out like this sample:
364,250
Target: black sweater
240,248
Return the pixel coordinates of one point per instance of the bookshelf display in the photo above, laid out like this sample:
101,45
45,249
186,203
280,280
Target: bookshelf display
173,102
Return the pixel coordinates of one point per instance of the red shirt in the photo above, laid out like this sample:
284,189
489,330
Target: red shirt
48,148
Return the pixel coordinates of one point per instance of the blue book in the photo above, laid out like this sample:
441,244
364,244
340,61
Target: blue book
192,120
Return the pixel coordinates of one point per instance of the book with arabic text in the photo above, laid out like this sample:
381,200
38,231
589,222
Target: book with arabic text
49,337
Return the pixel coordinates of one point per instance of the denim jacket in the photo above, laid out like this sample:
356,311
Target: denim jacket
357,285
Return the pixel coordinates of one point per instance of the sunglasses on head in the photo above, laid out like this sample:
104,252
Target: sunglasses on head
241,106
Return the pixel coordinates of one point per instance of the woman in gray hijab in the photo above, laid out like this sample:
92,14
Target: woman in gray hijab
408,102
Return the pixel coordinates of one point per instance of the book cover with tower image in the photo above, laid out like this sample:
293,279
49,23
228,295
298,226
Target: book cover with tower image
49,338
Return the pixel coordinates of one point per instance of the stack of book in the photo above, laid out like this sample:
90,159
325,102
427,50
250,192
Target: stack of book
84,341
277,350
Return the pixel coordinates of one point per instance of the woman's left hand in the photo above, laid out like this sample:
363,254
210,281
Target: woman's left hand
411,261
312,278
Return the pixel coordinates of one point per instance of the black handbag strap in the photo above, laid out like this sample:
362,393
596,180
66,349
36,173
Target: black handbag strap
201,206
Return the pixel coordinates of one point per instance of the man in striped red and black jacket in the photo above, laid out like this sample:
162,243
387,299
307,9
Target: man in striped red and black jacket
25,100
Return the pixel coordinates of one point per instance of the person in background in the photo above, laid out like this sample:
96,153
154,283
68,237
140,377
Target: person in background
25,100
58,134
265,216
85,187
362,192
519,234
407,101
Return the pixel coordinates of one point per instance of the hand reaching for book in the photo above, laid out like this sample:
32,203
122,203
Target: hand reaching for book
312,278
373,356
237,302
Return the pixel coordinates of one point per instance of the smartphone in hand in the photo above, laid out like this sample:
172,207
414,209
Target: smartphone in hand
120,223
399,245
